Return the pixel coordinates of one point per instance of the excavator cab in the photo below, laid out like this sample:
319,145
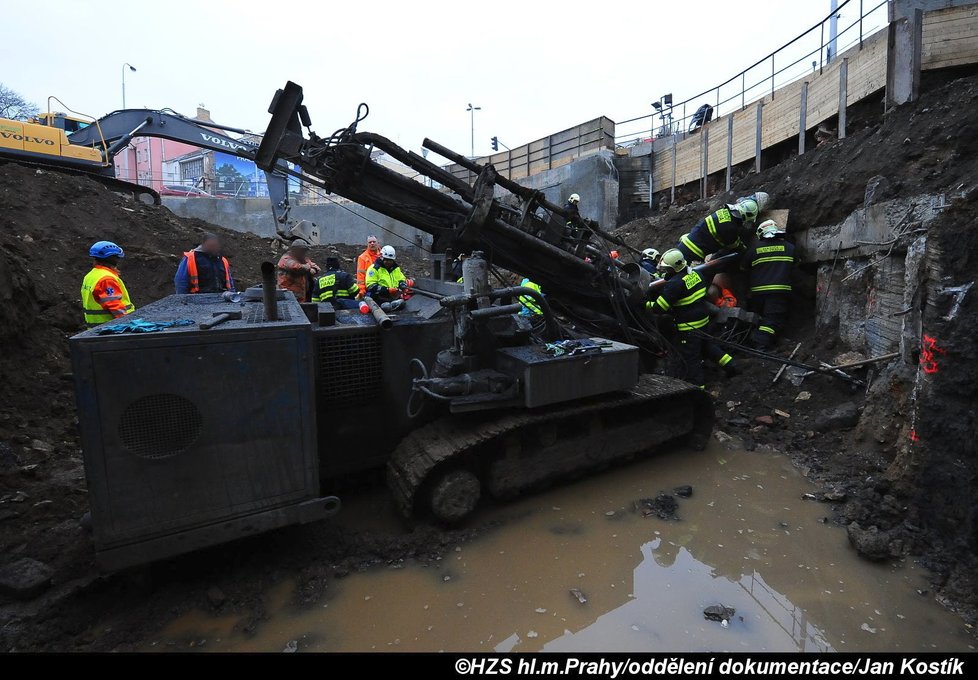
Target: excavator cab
62,121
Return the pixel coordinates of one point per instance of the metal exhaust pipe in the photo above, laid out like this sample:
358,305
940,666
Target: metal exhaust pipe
268,287
384,321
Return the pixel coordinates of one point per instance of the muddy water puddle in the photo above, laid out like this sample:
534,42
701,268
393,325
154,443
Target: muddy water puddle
745,539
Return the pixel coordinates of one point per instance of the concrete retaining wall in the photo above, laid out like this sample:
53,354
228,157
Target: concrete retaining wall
343,223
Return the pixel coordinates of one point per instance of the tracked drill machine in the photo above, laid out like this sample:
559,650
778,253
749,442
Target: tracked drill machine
455,394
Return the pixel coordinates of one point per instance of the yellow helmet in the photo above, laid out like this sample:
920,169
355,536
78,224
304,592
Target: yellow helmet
672,259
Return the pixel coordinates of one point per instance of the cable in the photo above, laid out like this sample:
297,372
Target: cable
314,190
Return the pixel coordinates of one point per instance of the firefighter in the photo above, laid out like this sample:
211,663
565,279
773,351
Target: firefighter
204,269
530,306
573,205
103,294
336,286
769,261
296,270
683,297
723,229
650,261
385,281
365,261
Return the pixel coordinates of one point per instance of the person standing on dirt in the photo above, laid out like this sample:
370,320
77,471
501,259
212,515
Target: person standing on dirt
770,262
103,294
336,286
365,261
296,270
684,297
204,269
723,229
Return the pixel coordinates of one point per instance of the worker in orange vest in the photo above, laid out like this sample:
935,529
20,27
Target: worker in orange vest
204,269
365,261
103,294
296,270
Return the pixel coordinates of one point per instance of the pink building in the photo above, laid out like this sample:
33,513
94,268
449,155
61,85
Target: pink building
148,160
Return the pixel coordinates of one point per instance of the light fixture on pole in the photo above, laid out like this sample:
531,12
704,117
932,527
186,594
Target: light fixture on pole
130,67
472,110
664,108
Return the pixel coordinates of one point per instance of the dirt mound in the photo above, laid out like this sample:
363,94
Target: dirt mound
930,145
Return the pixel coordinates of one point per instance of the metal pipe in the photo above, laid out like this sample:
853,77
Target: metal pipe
380,315
268,288
502,310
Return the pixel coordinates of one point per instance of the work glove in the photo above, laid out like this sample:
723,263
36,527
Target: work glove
392,291
402,285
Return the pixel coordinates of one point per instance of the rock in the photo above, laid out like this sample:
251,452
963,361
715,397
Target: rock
578,595
44,505
8,459
764,420
216,597
848,358
663,506
718,612
38,445
803,396
841,417
738,421
878,189
834,496
874,544
782,414
291,646
722,437
684,491
25,578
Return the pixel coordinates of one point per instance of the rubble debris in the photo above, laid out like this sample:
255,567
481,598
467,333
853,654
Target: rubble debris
25,578
578,595
764,420
782,414
841,417
684,491
803,396
874,544
216,597
719,613
663,506
291,646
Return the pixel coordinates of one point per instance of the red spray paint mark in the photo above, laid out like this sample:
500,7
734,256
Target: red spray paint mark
928,355
914,437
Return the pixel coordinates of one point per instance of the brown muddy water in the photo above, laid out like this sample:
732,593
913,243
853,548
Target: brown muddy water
745,539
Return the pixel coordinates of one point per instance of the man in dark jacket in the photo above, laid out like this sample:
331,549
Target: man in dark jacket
770,262
204,269
723,229
335,286
684,297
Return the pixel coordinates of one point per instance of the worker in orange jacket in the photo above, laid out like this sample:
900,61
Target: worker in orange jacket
365,261
296,270
103,294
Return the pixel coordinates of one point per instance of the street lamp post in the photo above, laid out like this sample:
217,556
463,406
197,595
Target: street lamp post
132,68
472,110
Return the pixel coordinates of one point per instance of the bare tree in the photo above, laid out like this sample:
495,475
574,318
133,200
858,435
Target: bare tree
14,107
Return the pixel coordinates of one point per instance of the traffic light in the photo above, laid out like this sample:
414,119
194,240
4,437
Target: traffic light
495,143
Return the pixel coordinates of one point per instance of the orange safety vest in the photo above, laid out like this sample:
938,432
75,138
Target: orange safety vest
727,298
195,278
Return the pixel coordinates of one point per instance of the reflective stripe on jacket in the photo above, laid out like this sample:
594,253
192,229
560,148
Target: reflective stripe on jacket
530,306
379,276
334,284
770,262
718,230
683,297
104,296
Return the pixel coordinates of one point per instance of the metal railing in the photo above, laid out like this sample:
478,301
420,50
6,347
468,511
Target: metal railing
798,57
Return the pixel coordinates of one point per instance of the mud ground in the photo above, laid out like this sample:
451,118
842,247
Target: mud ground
838,436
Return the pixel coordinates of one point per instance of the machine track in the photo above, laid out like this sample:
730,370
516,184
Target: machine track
447,465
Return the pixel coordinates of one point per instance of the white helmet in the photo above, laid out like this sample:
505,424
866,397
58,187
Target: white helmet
387,253
574,198
769,229
651,254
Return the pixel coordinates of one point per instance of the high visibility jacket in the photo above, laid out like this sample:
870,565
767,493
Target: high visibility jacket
770,261
683,296
365,261
334,284
530,306
379,276
716,231
190,270
104,296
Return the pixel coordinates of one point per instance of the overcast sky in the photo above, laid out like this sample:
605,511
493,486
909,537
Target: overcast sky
534,67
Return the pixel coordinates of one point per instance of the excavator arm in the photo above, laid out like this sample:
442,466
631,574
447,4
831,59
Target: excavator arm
113,132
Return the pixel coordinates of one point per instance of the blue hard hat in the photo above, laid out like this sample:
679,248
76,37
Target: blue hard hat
105,249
